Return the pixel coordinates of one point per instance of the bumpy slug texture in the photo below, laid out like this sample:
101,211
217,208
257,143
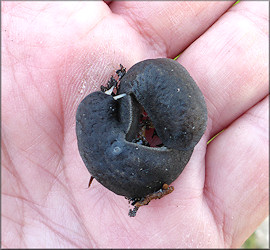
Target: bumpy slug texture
105,128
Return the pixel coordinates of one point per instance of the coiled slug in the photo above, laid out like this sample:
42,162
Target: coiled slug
109,130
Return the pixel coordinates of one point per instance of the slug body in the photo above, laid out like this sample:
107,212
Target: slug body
106,128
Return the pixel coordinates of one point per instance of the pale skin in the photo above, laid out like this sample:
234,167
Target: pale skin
55,53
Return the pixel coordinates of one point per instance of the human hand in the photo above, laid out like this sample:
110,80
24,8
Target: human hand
54,54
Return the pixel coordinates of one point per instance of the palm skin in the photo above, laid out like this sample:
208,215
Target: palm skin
54,54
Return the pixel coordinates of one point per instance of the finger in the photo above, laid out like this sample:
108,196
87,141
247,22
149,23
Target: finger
33,122
237,175
169,27
40,46
230,63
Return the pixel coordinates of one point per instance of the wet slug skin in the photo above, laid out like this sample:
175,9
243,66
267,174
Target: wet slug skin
155,96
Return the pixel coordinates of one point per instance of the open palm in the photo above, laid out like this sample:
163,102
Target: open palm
55,53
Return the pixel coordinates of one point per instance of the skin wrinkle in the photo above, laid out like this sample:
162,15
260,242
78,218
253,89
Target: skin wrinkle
42,215
158,44
94,27
12,64
79,216
126,230
201,216
37,14
64,101
19,184
69,16
52,6
45,221
213,114
191,9
235,234
210,197
216,211
255,119
251,16
26,190
98,198
75,80
169,229
91,241
215,205
137,26
23,217
55,180
262,200
43,167
16,221
128,227
62,115
12,220
57,232
26,101
164,49
223,51
34,144
162,44
209,212
60,123
23,199
9,8
61,226
5,152
48,134
52,175
29,10
57,117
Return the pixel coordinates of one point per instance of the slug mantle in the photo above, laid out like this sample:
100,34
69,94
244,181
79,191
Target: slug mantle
155,100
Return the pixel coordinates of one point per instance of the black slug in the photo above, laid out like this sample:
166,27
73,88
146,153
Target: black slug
113,127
